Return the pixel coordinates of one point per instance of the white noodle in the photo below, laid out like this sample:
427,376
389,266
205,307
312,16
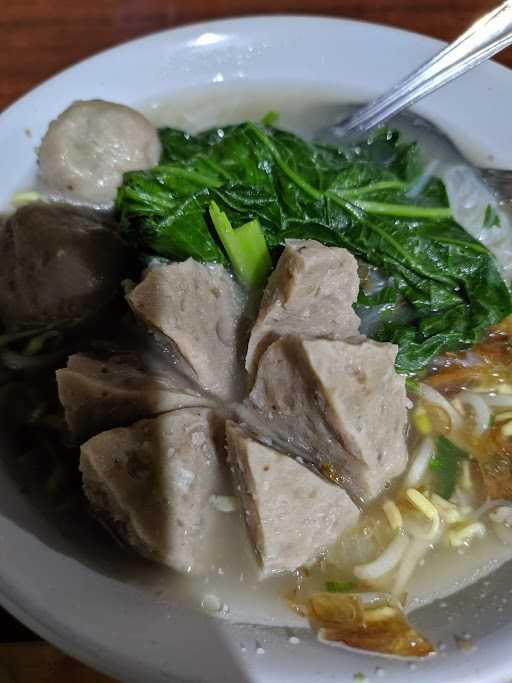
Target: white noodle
430,395
385,562
481,410
420,463
417,549
419,530
459,537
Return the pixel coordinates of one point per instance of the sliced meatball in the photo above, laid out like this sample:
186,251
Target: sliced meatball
91,144
153,481
291,514
344,400
99,395
61,265
309,294
199,310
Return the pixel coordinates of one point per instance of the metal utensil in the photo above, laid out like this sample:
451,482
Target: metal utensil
486,37
499,181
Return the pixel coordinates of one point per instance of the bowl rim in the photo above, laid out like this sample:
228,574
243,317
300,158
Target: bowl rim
18,604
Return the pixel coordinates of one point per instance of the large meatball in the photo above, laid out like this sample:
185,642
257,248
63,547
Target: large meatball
91,144
61,265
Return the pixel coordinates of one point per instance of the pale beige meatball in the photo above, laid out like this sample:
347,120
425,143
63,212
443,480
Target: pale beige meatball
91,144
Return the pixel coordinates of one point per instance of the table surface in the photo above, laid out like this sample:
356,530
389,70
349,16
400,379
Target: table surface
40,37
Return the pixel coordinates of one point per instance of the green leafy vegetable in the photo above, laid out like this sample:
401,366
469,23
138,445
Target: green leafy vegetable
445,463
167,207
444,287
339,586
245,247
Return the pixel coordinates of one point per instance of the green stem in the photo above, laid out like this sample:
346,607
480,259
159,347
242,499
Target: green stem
471,246
356,210
246,248
257,261
217,168
300,182
378,208
404,210
374,187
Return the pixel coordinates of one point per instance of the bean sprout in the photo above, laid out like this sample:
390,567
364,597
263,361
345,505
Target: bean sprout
463,536
420,463
385,562
428,509
449,512
430,395
393,514
481,410
417,549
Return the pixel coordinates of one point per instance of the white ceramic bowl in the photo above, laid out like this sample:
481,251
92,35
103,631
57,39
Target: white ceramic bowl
70,590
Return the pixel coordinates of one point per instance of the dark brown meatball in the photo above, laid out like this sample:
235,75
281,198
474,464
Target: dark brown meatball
62,265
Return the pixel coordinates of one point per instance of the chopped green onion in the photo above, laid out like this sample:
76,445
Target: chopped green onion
246,248
446,464
339,586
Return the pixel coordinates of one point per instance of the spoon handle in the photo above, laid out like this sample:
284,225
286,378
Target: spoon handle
487,36
499,182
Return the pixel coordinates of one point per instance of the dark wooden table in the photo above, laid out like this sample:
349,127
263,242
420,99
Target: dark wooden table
41,37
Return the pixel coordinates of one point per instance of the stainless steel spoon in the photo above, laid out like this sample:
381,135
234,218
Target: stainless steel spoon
486,37
499,181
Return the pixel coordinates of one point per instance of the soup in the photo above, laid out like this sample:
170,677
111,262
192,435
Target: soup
344,492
